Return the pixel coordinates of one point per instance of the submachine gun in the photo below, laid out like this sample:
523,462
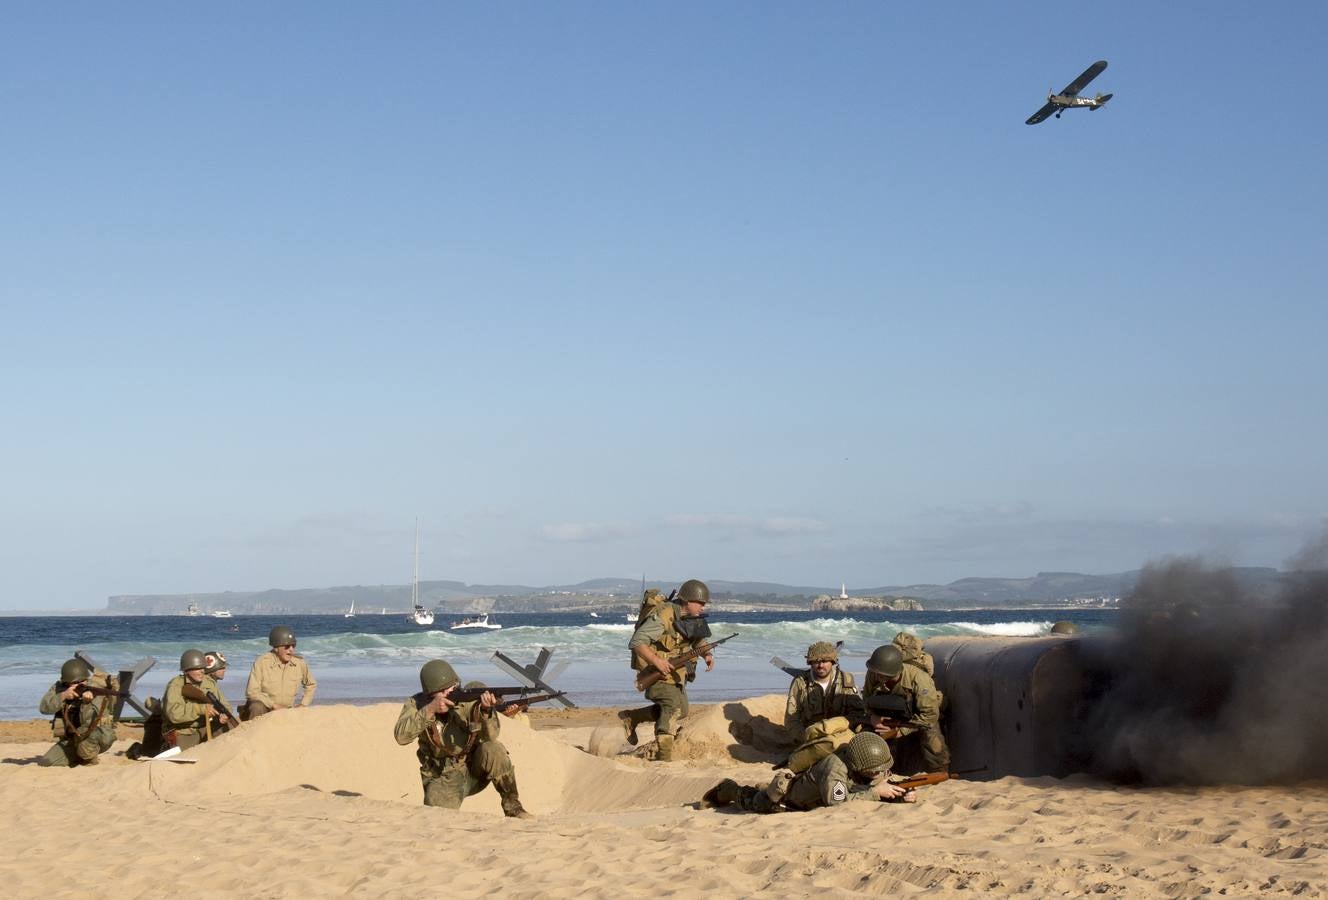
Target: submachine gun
196,694
895,709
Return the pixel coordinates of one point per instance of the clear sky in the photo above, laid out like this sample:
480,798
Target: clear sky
768,291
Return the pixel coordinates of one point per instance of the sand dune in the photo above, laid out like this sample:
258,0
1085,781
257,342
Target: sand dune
322,801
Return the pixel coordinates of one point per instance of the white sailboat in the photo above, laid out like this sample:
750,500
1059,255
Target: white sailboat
350,613
419,615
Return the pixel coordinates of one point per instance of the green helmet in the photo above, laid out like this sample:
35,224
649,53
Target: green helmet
887,661
214,661
280,636
74,671
693,591
822,650
868,754
436,675
474,686
1064,627
192,659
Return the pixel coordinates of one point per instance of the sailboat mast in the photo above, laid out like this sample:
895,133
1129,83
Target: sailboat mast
415,582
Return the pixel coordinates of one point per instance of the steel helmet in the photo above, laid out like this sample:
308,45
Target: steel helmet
887,661
280,636
868,754
214,661
192,659
693,591
436,675
1064,627
74,671
822,650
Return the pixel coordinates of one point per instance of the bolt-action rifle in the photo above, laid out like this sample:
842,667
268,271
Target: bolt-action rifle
652,675
519,704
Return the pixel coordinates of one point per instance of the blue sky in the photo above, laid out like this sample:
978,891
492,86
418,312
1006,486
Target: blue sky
743,290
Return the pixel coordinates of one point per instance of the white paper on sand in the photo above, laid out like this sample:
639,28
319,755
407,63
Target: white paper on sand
170,752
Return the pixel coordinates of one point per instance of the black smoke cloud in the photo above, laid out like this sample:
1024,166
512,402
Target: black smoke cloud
1215,680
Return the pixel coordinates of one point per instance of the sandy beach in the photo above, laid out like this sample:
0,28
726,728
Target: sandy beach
322,802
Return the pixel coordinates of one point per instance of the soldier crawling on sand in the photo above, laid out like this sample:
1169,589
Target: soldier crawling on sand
857,771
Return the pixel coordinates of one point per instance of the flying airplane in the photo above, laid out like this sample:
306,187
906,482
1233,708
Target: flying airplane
1069,98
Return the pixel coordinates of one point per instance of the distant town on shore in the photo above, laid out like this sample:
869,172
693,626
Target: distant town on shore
1046,589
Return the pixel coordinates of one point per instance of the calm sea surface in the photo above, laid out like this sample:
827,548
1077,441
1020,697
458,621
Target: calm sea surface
374,658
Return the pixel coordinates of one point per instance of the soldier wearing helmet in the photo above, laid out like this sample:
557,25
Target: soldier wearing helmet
817,693
184,722
917,743
82,722
277,677
857,771
673,628
458,746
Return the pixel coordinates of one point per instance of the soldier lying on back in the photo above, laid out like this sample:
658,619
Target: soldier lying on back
82,723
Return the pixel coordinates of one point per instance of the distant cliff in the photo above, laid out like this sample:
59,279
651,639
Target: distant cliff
826,603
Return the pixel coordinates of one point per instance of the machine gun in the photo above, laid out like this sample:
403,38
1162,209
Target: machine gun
652,675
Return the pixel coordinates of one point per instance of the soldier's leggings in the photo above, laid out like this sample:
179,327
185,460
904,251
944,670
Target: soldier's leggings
672,702
459,779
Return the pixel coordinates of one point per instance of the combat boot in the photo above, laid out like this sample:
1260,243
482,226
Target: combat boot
511,803
665,745
631,718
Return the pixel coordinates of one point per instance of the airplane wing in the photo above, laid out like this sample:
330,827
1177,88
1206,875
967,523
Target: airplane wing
1074,87
1041,114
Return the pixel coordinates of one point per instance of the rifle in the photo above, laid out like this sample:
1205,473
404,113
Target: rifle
930,778
650,676
470,695
512,707
196,694
894,708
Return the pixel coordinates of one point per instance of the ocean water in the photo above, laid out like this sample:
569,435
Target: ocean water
376,658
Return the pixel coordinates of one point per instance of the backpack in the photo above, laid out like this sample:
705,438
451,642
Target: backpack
913,654
819,740
651,602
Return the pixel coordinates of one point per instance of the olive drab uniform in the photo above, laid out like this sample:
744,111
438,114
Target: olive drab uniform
828,783
669,694
182,720
920,742
459,754
809,703
83,729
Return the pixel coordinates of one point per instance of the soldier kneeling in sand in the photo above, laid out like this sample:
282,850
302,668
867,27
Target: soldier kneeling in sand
81,719
859,770
459,751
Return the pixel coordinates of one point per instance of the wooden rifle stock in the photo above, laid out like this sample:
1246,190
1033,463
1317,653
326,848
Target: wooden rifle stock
652,675
196,694
930,778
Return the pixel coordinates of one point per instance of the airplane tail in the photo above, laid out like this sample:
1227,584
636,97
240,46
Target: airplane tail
1100,100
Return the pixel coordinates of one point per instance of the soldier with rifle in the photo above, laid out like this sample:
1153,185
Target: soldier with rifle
916,741
82,721
189,718
664,642
458,749
857,771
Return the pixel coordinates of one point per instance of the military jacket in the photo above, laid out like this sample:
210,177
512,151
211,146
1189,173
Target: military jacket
826,784
443,741
808,703
660,631
918,687
179,714
84,712
274,684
